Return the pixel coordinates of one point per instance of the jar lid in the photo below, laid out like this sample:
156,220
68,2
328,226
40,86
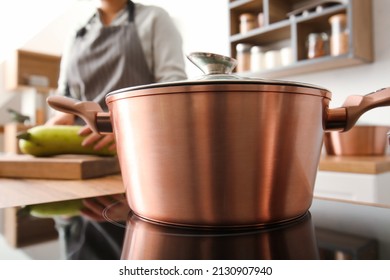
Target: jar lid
243,47
218,70
338,18
256,49
247,17
314,36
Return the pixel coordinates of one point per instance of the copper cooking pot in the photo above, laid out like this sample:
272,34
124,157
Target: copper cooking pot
221,151
361,140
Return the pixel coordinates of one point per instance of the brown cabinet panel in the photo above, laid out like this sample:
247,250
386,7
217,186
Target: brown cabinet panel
32,69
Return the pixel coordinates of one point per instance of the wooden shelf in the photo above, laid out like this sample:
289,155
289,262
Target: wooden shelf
264,35
308,65
245,5
26,69
281,29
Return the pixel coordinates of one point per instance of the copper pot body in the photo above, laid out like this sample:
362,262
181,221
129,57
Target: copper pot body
361,140
151,241
219,154
220,151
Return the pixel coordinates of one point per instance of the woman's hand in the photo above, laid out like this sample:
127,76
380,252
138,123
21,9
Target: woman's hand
98,141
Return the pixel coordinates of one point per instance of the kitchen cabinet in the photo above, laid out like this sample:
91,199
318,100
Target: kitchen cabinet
286,24
33,75
27,69
354,179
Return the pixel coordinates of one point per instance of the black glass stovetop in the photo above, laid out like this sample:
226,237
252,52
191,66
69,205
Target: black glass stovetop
330,230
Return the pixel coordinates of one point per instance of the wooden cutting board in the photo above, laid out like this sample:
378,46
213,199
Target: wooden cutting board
57,167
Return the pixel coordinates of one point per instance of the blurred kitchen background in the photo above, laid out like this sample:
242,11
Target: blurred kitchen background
43,26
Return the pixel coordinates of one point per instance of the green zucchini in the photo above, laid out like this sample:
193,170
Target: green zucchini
61,208
44,141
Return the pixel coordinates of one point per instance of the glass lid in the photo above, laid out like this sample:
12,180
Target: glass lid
217,69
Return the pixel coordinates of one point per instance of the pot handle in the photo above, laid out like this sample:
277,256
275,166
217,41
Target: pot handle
89,111
344,118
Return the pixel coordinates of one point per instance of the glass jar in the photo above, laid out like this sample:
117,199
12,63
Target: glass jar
243,57
272,59
286,56
248,22
257,59
339,40
260,19
317,45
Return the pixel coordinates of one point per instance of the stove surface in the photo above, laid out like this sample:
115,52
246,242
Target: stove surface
330,230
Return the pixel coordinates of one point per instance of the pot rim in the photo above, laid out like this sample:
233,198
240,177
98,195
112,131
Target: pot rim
220,86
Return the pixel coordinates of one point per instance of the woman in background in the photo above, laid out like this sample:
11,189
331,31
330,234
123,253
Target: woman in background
123,44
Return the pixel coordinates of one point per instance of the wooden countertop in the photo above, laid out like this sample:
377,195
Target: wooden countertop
20,192
355,164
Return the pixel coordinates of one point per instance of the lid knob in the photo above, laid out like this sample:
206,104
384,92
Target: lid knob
211,63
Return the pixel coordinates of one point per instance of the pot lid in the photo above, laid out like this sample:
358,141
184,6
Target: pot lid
217,69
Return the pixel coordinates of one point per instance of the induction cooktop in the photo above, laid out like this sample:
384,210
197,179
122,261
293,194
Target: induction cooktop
330,230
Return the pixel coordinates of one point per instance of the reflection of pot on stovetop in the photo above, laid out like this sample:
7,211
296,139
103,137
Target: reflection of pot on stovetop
152,241
220,151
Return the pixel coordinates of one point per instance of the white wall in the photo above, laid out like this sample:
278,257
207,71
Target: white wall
202,23
21,20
